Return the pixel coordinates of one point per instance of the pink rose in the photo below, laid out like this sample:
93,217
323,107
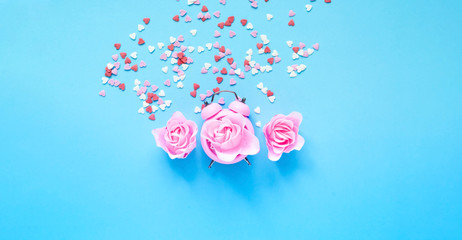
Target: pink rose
178,138
281,135
228,137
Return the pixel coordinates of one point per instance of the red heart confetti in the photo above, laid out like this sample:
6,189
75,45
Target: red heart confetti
291,23
221,25
271,61
134,67
193,93
149,109
176,18
204,9
296,49
259,45
244,22
267,50
223,71
122,86
230,60
128,61
217,58
117,46
123,55
231,19
219,79
269,93
196,86
146,20
152,117
140,41
217,89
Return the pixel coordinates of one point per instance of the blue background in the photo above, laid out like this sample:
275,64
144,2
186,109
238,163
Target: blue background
381,102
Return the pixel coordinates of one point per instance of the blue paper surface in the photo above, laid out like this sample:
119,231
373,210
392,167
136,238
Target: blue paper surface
381,102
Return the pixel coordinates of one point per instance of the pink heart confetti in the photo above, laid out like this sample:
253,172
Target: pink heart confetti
302,45
200,15
143,89
232,82
253,34
163,56
221,101
207,16
127,67
223,2
182,12
291,13
233,65
202,96
111,82
115,57
116,83
216,14
306,54
247,68
231,72
183,48
176,44
167,83
254,4
189,61
160,101
228,52
147,83
174,55
187,19
209,93
316,46
215,70
117,65
114,71
216,45
154,88
180,38
232,34
204,70
277,59
102,93
142,63
241,76
257,66
216,34
175,69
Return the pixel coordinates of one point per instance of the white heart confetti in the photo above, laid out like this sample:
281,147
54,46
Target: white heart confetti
160,45
272,98
260,85
132,36
197,109
257,110
134,55
258,124
161,93
140,27
151,49
193,32
165,69
269,16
